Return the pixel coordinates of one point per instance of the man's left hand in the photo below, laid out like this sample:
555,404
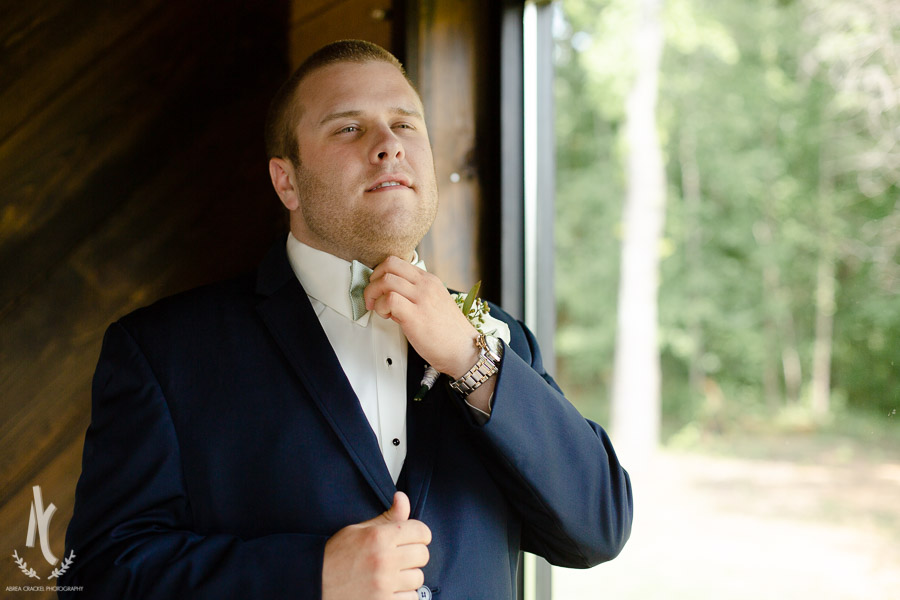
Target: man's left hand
428,315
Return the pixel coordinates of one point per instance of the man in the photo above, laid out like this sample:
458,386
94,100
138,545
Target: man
257,438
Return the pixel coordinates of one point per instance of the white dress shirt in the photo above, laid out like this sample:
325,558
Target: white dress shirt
363,347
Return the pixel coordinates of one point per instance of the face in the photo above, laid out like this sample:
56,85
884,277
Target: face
365,187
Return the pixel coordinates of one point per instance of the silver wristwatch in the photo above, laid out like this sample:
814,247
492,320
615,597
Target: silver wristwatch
487,365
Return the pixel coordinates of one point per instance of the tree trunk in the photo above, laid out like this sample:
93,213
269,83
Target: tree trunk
780,332
771,380
821,371
825,293
636,386
693,238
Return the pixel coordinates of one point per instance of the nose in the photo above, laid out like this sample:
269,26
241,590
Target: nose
386,147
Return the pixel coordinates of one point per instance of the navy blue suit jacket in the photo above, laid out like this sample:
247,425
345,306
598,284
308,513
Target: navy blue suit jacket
226,446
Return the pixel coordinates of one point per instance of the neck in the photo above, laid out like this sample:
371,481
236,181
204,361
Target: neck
370,259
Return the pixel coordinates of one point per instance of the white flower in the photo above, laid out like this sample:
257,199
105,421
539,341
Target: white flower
480,318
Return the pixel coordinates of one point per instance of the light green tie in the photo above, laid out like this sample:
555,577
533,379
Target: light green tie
359,279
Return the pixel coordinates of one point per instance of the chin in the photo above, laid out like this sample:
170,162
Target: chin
376,255
396,235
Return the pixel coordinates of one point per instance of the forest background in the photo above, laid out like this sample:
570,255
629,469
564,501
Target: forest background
727,275
779,126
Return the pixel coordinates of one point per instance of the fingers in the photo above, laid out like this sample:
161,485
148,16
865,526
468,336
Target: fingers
414,532
386,284
397,513
393,305
403,531
426,312
401,291
399,510
394,280
413,556
397,266
381,557
410,579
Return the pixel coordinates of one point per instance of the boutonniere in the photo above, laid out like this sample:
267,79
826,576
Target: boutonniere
477,312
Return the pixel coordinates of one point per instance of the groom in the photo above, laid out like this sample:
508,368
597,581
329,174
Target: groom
258,438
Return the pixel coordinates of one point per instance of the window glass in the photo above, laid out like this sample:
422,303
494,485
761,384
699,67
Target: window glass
728,289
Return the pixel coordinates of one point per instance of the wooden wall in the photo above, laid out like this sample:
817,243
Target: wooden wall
315,23
132,167
455,46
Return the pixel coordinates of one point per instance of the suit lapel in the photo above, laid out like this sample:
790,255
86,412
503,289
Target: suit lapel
422,434
288,314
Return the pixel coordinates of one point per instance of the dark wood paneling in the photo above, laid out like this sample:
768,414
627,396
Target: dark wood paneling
131,166
48,43
317,22
458,77
69,164
158,242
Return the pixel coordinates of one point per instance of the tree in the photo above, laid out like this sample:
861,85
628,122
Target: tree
779,256
858,56
636,382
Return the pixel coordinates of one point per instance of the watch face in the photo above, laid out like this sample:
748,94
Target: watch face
494,349
493,344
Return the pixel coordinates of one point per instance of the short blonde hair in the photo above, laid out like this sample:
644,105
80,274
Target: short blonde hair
284,113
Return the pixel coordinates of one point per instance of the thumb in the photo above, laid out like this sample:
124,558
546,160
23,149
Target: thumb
398,512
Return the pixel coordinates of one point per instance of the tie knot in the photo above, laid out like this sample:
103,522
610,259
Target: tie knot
359,279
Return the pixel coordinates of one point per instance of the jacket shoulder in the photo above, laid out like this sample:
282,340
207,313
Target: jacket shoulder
181,310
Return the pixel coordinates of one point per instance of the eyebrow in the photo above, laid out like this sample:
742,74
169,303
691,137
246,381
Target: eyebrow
397,110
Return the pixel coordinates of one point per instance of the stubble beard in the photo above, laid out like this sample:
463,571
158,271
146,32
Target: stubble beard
355,233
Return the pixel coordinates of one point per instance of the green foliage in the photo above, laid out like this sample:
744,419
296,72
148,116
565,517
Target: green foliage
781,125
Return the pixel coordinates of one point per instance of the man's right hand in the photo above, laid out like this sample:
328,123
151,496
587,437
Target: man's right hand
379,558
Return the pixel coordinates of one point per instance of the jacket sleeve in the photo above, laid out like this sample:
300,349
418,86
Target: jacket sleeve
132,532
558,469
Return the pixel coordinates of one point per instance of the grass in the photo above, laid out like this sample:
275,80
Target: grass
750,505
794,434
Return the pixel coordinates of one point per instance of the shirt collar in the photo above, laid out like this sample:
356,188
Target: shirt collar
326,278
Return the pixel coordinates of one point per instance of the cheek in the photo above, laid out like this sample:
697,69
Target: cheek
339,166
420,156
332,172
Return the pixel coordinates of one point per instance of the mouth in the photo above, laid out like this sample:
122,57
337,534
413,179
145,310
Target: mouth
390,182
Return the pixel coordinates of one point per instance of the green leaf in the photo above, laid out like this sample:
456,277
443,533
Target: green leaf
470,298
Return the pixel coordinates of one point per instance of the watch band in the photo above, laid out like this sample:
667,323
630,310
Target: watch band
487,365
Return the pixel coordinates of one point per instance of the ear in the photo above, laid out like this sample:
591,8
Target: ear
281,173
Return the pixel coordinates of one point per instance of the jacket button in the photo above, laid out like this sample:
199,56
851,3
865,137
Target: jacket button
424,593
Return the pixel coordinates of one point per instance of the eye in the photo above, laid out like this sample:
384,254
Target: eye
403,126
348,129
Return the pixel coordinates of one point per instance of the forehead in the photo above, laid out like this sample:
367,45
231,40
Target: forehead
344,87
